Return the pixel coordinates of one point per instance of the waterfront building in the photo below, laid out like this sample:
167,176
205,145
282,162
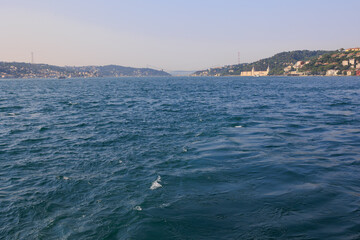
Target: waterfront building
253,73
332,72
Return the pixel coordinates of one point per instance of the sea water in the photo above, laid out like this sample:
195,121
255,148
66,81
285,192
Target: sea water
180,158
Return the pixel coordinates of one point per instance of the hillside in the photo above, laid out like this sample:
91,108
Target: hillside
333,64
276,63
27,70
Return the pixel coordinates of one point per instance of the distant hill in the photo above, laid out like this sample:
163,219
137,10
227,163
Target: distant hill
27,70
277,63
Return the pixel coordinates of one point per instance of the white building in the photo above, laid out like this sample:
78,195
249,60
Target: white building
352,62
332,72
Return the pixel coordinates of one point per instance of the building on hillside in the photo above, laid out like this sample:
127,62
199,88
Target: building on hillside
352,49
253,73
299,64
287,69
345,63
332,72
352,62
358,73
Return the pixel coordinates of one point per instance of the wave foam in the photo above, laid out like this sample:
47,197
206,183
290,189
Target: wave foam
156,184
138,208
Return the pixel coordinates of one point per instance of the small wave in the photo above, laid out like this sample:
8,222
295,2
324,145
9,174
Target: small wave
15,131
43,129
336,104
10,108
156,184
34,140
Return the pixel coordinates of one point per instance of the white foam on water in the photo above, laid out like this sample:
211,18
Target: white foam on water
164,205
238,126
138,208
156,184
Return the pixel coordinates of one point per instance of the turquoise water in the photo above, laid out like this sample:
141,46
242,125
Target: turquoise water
180,158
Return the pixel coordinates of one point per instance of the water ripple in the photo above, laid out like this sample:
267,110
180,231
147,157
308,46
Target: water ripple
180,158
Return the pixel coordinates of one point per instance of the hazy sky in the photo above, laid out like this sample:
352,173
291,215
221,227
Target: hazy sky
171,34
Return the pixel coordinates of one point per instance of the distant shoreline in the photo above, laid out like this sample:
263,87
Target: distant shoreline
295,63
29,70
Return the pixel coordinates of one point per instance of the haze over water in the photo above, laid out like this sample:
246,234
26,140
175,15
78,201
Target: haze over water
180,158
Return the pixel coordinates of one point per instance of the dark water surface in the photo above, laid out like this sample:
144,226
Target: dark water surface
180,158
